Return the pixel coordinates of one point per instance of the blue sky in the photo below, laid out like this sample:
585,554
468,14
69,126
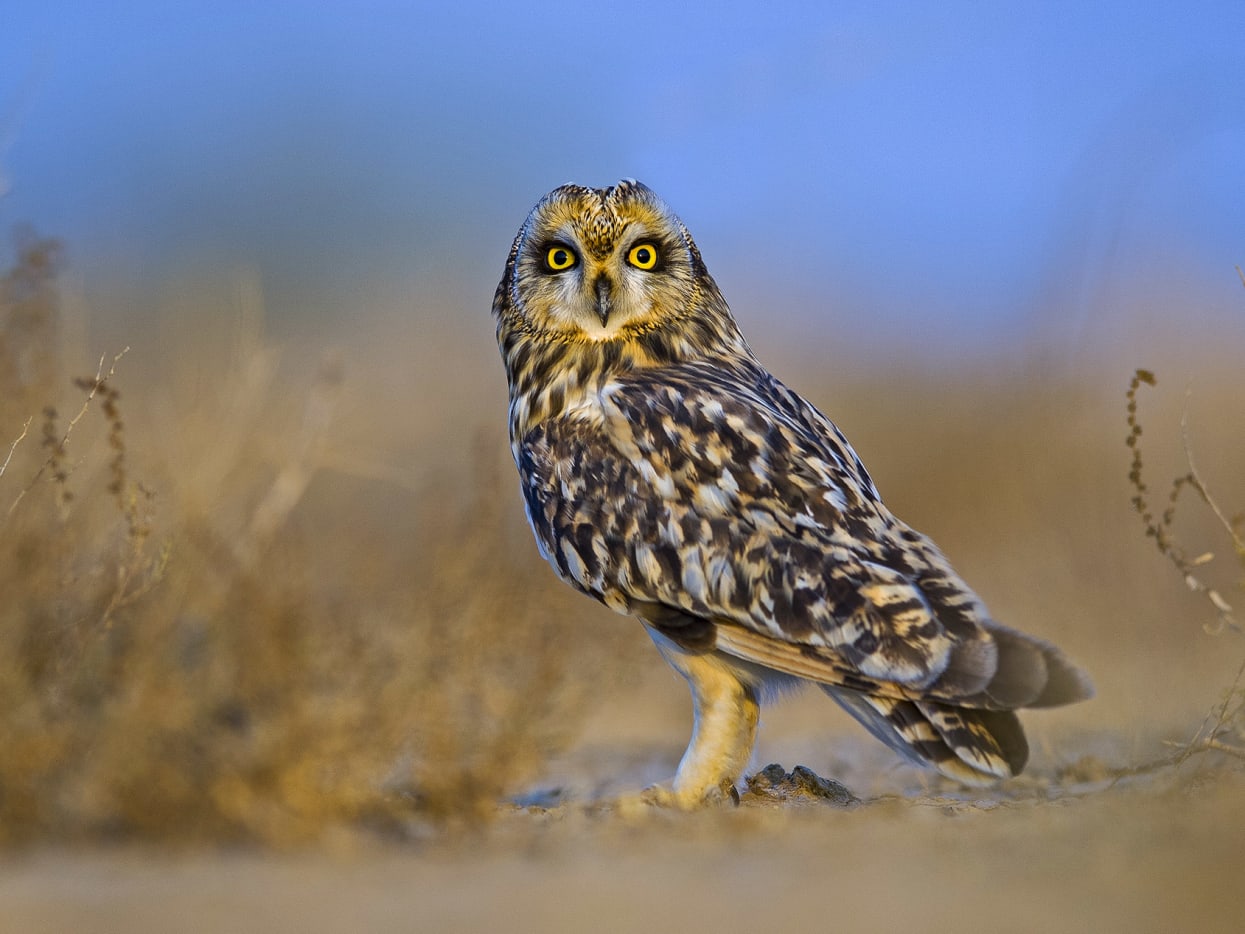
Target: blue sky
947,168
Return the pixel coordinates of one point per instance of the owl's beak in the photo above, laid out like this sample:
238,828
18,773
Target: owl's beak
603,305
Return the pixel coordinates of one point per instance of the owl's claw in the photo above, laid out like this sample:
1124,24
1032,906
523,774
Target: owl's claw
664,797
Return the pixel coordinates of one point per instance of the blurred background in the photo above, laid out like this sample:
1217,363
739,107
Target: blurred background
958,228
954,179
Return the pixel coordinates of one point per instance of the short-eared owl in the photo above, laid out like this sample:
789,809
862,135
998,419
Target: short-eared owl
667,474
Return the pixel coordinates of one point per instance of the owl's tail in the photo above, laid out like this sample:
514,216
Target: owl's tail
962,723
972,746
973,736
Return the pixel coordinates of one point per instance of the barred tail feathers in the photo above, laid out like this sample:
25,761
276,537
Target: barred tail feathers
971,746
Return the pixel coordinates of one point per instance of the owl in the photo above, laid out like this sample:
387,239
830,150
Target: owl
666,473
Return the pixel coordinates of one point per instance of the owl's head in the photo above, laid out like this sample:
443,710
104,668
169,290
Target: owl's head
609,266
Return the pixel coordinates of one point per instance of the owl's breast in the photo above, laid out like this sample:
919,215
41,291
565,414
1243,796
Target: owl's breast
587,502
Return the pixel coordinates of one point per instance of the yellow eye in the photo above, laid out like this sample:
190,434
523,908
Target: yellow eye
643,256
560,258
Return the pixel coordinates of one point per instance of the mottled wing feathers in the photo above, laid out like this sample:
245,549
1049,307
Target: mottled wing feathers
719,494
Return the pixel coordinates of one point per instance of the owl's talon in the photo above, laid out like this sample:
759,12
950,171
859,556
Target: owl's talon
658,796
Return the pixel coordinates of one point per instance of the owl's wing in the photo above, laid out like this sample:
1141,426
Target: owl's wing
713,507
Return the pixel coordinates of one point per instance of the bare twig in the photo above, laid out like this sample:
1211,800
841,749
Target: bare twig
1224,747
101,379
1202,739
1198,746
1226,716
147,573
1226,613
13,446
1159,528
1201,487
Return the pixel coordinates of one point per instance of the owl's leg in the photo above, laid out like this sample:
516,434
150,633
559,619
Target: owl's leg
724,730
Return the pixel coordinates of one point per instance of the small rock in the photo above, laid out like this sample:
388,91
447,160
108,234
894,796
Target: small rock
772,783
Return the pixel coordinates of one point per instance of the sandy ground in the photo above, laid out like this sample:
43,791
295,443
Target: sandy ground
1126,860
1054,850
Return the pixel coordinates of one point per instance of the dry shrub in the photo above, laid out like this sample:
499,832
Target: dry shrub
206,635
1223,729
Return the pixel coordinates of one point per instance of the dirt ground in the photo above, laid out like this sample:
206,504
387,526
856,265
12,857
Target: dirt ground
1127,860
1065,848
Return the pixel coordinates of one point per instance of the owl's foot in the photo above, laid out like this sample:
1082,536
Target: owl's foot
664,797
689,800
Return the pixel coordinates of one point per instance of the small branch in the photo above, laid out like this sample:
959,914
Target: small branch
96,386
1224,747
101,378
1227,615
1202,489
13,446
1159,527
1198,746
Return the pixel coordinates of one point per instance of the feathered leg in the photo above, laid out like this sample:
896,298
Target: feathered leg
723,733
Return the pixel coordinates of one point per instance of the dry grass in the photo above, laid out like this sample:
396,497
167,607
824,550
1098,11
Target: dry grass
1223,729
247,598
191,649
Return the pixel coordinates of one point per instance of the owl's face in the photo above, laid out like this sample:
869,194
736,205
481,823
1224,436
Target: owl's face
602,281
593,265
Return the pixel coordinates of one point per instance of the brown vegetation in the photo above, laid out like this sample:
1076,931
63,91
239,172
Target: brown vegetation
245,599
191,649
